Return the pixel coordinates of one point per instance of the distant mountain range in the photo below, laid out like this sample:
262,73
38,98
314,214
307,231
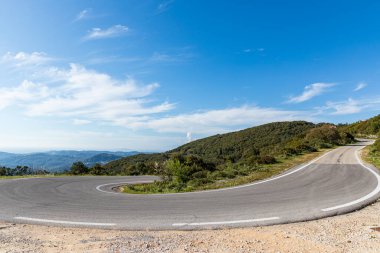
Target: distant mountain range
60,160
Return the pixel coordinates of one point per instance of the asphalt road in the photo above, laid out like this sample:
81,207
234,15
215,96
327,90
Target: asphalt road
334,184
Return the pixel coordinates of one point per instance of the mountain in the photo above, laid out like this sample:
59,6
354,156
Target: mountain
59,160
260,144
4,155
364,127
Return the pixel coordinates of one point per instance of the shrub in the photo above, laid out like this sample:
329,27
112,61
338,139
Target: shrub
98,169
325,135
78,168
267,159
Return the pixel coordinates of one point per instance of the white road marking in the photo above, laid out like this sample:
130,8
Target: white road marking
65,222
224,222
121,183
368,196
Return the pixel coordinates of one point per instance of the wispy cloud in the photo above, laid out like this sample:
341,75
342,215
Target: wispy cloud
253,50
111,32
218,121
310,92
113,59
161,57
176,55
164,6
351,106
360,86
82,15
23,59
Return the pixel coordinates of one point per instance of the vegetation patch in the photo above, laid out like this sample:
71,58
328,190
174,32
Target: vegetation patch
21,171
371,154
264,172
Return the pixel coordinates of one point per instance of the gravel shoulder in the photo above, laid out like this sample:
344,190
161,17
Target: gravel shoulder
348,233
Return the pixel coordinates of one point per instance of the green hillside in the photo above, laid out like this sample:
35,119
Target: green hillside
364,127
231,155
235,147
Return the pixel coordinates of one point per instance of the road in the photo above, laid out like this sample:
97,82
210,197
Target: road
336,183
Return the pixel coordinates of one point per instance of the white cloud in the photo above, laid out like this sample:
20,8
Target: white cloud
360,86
250,50
311,91
84,95
27,92
23,59
164,6
82,14
351,106
179,55
161,57
113,31
90,95
346,107
218,121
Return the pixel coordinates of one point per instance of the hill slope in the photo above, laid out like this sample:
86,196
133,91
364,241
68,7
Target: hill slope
252,146
364,127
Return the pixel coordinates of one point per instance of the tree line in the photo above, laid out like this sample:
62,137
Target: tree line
21,171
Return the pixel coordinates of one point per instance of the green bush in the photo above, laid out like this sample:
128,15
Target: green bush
78,168
376,147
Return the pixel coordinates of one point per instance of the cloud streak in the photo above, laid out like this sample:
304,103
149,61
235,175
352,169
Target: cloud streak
222,120
310,92
82,15
111,32
360,86
351,106
164,6
21,59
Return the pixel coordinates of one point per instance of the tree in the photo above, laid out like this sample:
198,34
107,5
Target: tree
78,168
98,169
324,135
3,171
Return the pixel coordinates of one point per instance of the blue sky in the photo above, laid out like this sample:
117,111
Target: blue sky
151,75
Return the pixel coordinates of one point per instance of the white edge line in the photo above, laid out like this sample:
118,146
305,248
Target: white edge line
224,222
137,182
368,196
65,222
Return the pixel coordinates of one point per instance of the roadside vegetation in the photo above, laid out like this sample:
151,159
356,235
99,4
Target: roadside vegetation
265,171
371,154
227,159
21,171
369,128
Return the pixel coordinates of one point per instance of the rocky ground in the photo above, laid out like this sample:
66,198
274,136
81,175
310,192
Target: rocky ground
348,233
